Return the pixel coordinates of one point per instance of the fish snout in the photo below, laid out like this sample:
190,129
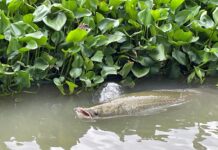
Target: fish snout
82,113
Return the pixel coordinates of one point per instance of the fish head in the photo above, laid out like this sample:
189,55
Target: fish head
86,113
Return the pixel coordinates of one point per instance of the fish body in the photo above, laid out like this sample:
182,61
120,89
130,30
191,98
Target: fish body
131,105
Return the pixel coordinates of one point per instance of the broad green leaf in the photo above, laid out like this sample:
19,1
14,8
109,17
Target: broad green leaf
2,36
118,37
126,69
41,64
88,64
23,79
145,17
55,22
13,46
60,8
57,37
130,8
145,61
59,83
187,14
40,13
128,82
160,14
82,12
166,27
98,17
75,72
107,70
4,22
191,77
87,81
103,6
206,21
115,3
159,54
215,15
71,86
78,61
180,35
69,4
38,37
108,24
174,4
98,79
17,29
199,73
180,57
140,71
32,44
98,56
14,5
76,35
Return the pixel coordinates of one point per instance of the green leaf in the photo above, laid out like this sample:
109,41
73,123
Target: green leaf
206,21
145,17
55,22
130,8
108,24
159,54
78,61
88,64
128,82
191,77
160,14
57,37
185,15
13,46
4,22
180,57
126,69
76,35
199,73
14,5
98,56
2,36
174,4
75,72
87,81
32,44
40,13
108,70
82,12
41,64
103,6
118,37
98,17
22,79
98,79
140,71
59,83
215,15
166,27
71,86
180,35
115,3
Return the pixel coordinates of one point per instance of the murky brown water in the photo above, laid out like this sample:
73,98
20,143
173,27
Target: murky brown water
46,121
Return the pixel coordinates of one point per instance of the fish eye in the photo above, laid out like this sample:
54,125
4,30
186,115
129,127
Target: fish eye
95,113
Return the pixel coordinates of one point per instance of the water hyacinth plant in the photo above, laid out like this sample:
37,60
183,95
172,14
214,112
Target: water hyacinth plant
78,44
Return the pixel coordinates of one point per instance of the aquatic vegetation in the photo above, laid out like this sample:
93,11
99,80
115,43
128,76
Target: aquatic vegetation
80,43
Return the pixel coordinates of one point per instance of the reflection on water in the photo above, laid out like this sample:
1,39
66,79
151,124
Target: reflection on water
46,121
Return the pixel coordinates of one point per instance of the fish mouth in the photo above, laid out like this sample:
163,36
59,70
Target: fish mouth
83,113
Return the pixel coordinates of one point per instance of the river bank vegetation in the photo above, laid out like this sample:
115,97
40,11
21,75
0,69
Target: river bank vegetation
78,44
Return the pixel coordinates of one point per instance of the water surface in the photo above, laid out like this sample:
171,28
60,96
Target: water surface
45,121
